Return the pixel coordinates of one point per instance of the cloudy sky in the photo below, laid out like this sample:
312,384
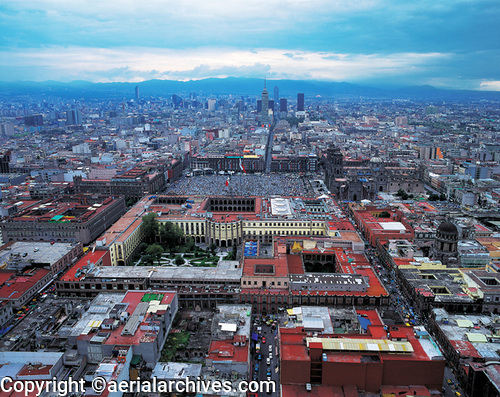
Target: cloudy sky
444,43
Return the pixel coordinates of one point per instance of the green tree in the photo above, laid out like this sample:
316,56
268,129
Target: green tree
171,235
384,214
155,251
442,197
213,247
179,260
142,247
401,193
150,228
433,197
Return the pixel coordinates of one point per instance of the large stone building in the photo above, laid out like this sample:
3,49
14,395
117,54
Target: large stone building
81,218
135,184
357,180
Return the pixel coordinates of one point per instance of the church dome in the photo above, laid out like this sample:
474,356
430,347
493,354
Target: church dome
375,160
447,227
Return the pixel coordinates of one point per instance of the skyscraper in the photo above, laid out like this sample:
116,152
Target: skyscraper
283,105
137,93
300,102
73,117
276,97
265,105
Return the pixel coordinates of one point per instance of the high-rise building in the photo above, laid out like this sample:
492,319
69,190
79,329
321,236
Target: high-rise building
5,163
259,106
6,129
176,100
137,93
300,102
212,105
73,117
283,105
265,105
33,121
276,97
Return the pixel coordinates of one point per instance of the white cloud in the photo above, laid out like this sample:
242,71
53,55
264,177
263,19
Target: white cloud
490,85
137,64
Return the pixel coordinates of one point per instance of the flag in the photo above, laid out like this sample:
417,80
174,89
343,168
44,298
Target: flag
227,182
242,167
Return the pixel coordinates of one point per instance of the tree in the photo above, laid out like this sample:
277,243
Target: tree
433,197
155,251
179,260
384,214
401,193
213,247
442,197
150,228
171,235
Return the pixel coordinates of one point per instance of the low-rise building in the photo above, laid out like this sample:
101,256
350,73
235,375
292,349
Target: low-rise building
80,218
20,288
383,356
138,319
55,257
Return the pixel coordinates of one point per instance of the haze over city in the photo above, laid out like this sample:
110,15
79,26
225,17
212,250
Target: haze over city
446,44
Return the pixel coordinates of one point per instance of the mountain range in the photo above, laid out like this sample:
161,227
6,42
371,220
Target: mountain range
230,86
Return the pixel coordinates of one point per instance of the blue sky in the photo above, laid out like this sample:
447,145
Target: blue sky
448,44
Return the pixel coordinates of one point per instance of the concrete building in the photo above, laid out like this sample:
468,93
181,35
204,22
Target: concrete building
79,218
140,320
135,183
466,339
382,356
56,257
20,288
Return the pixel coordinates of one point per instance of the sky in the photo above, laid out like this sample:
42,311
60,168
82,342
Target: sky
451,44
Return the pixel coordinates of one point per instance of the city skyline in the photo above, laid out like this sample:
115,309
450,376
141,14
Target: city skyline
380,43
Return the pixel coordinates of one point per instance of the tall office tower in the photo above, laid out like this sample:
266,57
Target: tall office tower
73,117
283,105
271,105
259,106
6,129
300,102
276,97
265,105
4,163
137,93
34,121
212,104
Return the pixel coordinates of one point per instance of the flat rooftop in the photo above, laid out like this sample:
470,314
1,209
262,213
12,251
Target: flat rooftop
37,252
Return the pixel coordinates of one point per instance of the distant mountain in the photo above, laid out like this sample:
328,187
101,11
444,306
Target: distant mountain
227,86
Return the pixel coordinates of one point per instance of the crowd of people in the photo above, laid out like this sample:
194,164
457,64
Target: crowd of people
241,185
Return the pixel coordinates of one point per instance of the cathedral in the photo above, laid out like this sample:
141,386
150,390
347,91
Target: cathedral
356,180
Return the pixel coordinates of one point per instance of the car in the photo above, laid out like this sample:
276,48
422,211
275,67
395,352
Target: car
270,355
449,381
270,348
259,357
268,373
268,361
263,340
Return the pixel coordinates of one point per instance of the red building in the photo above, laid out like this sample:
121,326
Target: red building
384,356
382,224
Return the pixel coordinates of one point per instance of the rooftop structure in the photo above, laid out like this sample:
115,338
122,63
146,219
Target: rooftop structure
381,356
79,218
53,256
138,319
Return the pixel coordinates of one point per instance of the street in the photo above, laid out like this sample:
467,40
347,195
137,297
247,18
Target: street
268,342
